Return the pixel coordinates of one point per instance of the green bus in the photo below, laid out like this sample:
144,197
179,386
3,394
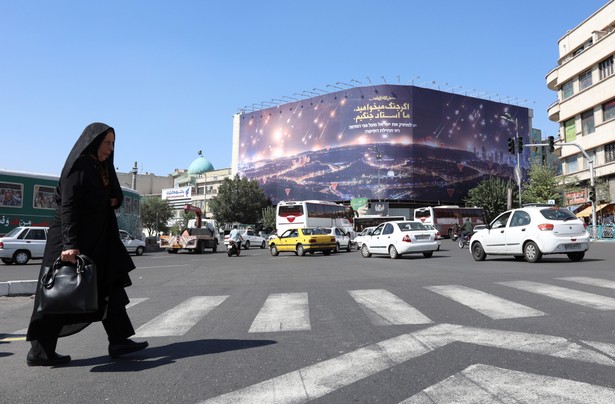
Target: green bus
26,199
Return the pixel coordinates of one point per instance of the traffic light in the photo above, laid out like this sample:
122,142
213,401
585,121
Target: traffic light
520,144
511,145
551,144
592,194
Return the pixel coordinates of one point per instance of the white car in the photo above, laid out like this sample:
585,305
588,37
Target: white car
342,239
22,244
250,238
132,244
365,232
400,237
531,232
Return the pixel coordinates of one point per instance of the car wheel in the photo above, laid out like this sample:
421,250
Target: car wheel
246,246
21,257
428,254
576,256
365,251
393,252
274,250
300,250
7,261
532,252
478,253
172,251
263,245
200,247
215,246
139,251
326,252
349,247
337,248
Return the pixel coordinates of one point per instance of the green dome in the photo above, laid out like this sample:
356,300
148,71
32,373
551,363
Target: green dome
199,166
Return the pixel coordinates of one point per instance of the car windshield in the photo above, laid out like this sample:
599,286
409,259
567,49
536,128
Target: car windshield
409,226
14,232
558,214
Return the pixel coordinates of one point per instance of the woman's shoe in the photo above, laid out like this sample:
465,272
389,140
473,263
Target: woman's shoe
39,360
117,349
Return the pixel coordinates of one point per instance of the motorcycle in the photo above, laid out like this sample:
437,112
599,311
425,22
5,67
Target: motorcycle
233,248
464,240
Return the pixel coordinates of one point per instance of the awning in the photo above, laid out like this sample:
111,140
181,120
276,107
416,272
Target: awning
585,212
588,210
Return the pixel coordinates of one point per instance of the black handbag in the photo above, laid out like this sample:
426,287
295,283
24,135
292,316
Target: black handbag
68,288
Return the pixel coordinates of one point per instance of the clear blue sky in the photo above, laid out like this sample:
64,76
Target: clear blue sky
169,75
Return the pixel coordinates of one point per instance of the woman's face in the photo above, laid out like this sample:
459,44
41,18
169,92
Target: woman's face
106,147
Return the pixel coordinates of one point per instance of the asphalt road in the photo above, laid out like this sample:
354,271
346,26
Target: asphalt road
338,329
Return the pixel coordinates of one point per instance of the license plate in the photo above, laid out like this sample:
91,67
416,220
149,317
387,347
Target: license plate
572,246
421,237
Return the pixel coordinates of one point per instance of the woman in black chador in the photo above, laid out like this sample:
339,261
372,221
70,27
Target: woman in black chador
85,223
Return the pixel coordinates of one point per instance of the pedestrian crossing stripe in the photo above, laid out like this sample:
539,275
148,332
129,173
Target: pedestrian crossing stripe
283,312
485,303
485,384
384,308
602,283
181,318
317,380
586,299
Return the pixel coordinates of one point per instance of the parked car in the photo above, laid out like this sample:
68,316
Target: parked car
361,236
400,237
132,244
342,239
531,232
302,240
22,244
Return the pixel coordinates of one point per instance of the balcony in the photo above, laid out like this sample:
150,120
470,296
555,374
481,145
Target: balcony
552,82
553,111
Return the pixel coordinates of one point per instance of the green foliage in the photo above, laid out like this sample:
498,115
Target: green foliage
239,200
490,194
542,185
182,223
268,214
155,213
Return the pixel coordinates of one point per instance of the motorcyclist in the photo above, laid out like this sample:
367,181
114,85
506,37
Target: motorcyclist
236,237
466,229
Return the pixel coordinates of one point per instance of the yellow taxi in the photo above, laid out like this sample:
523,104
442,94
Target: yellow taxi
302,240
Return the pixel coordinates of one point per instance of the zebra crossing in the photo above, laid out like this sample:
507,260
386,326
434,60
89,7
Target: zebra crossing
290,312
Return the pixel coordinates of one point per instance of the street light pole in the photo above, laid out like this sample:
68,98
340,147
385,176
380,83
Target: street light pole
508,118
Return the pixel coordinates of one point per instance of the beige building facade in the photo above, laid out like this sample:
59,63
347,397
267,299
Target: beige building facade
584,80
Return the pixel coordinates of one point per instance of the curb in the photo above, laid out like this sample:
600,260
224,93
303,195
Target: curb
18,288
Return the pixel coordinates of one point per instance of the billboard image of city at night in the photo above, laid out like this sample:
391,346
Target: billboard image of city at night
389,142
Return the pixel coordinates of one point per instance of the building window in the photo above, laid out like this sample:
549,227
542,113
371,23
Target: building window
606,68
567,90
609,152
608,110
570,130
585,80
573,164
587,122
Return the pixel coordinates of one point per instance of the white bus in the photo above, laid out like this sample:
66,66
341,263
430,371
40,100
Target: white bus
444,218
293,214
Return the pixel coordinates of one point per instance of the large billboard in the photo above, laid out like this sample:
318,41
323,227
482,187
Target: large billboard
389,142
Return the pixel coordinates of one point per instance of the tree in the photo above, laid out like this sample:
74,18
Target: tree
269,222
490,194
239,200
542,185
155,213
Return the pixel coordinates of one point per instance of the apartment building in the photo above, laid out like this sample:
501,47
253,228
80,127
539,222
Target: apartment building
584,80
